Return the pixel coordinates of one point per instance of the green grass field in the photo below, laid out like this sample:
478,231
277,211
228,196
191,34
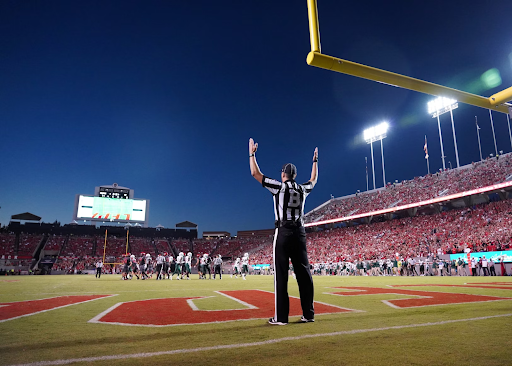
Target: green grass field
474,333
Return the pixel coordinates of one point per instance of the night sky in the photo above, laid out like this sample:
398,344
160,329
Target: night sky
163,96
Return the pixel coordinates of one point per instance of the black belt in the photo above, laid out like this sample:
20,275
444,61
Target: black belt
288,223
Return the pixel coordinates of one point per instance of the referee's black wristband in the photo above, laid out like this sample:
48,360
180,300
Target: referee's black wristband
315,161
251,155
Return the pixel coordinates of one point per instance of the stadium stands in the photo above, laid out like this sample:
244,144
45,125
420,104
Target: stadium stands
28,244
181,245
487,227
55,243
79,246
139,245
7,244
476,175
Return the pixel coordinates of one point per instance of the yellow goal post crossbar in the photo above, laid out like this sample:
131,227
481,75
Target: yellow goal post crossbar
496,102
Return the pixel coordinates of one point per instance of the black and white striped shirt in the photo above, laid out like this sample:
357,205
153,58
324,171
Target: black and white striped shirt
289,198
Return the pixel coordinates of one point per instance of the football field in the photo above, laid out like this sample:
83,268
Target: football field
78,319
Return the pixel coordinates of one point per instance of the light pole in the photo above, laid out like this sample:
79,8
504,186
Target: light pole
366,163
509,133
373,165
371,135
438,107
493,134
382,155
478,135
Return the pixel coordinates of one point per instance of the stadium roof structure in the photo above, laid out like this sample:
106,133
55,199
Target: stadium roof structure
186,224
216,234
26,216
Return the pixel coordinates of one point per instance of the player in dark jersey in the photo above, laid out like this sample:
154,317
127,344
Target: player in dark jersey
142,266
126,267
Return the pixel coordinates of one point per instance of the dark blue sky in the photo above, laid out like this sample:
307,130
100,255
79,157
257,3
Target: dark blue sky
162,97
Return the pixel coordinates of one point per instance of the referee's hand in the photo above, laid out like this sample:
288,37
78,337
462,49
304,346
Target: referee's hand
253,147
315,154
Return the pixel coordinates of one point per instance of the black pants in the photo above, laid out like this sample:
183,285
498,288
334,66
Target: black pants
290,243
217,271
98,272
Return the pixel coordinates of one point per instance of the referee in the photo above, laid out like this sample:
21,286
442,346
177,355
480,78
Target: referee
290,236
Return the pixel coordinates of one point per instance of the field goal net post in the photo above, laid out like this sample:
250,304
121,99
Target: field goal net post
105,248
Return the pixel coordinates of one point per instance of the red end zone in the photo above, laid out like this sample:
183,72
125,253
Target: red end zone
13,310
421,298
181,311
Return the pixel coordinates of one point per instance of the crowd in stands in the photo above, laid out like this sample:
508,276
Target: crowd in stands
481,174
162,245
181,245
139,245
7,244
487,227
115,246
55,242
79,246
28,244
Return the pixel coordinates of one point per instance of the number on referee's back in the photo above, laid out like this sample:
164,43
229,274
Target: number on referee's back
294,200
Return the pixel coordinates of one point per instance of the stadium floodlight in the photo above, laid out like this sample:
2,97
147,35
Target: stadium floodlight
438,107
371,135
441,105
376,133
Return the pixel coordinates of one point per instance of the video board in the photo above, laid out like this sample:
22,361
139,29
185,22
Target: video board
91,208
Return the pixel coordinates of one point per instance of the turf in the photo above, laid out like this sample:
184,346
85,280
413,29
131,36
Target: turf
65,333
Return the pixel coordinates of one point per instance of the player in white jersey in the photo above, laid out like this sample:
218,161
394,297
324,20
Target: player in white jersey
134,266
149,265
188,265
245,265
179,263
203,263
236,268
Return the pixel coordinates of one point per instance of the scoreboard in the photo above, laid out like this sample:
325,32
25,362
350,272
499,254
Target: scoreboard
111,207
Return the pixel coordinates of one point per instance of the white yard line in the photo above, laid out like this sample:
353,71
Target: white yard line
252,344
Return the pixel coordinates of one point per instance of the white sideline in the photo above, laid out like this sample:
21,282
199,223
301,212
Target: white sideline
252,344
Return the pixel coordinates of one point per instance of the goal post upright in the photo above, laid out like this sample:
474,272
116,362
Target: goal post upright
127,233
497,102
105,246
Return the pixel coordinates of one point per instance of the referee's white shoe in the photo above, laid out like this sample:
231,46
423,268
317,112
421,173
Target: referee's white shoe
275,322
304,320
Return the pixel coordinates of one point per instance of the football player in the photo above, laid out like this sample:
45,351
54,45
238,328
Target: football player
177,268
245,265
134,266
188,265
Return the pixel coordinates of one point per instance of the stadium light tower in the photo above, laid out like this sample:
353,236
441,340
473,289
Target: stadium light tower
371,135
440,106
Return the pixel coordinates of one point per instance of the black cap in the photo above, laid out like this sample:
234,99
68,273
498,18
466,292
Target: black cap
289,169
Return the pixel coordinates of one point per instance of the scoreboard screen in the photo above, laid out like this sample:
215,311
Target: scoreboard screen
111,209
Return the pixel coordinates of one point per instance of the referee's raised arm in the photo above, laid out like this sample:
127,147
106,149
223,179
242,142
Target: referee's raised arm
255,169
314,169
